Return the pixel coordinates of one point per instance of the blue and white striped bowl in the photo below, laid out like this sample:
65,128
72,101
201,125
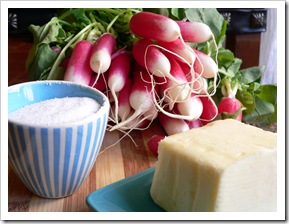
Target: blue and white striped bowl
53,161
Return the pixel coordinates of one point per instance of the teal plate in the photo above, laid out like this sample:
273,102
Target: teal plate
131,194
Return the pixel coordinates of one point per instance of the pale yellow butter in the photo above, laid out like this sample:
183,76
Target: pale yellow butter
223,166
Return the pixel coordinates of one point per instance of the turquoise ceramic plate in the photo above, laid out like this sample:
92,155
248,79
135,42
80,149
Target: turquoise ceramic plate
131,194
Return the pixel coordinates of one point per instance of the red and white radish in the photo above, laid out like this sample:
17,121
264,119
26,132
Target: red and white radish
192,107
172,125
195,32
141,97
118,72
153,143
56,49
150,57
181,49
78,69
171,91
205,65
198,83
230,107
154,26
194,123
210,109
100,59
118,76
100,84
124,108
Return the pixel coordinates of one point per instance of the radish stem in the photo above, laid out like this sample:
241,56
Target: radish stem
62,53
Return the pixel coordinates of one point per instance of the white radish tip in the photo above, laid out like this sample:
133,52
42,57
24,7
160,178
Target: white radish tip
100,61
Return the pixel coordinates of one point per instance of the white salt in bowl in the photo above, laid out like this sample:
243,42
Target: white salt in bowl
54,160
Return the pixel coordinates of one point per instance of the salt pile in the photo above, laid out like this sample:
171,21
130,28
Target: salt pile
56,111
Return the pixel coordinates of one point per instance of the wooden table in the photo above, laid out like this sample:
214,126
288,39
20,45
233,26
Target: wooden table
117,159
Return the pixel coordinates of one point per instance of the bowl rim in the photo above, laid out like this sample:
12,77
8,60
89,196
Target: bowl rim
103,110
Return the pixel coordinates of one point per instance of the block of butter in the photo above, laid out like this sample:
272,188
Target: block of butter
225,166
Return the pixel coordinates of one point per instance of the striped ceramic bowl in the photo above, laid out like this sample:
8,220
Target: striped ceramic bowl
53,161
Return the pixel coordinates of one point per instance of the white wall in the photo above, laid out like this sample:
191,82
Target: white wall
268,49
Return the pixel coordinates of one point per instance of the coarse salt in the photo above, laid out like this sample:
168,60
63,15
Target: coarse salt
56,111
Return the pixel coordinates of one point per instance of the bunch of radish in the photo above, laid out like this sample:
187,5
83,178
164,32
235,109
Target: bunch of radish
161,77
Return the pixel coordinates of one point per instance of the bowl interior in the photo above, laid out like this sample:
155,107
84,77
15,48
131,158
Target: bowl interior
27,93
